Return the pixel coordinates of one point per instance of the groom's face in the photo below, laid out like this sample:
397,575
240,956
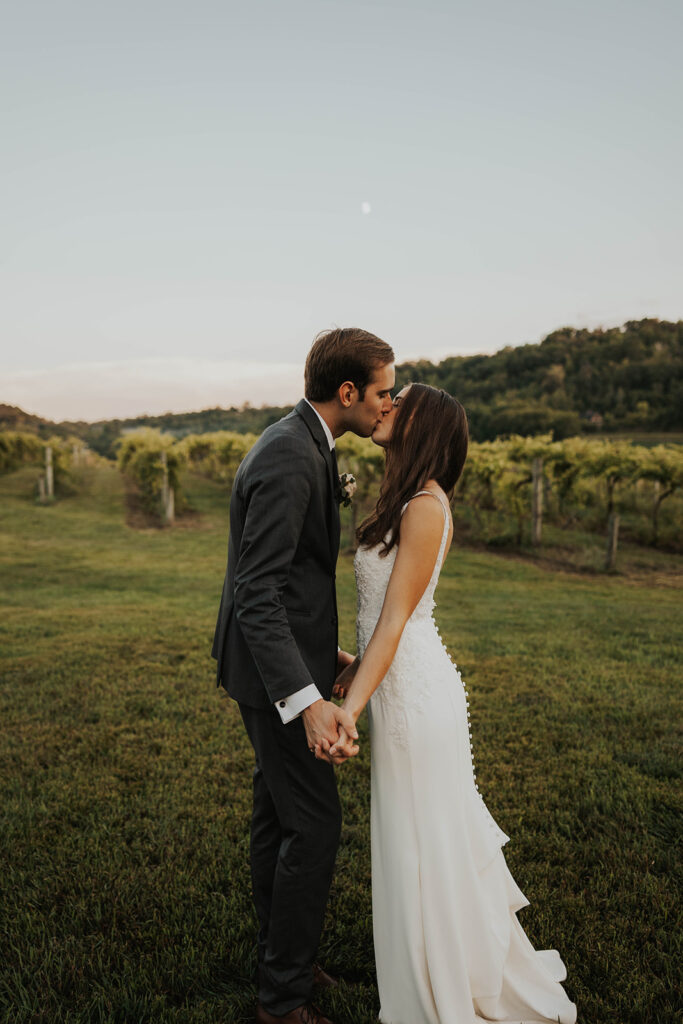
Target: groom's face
365,415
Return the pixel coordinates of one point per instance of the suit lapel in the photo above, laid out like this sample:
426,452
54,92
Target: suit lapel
334,489
313,423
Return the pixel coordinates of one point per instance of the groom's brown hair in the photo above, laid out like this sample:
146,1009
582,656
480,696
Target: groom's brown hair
344,353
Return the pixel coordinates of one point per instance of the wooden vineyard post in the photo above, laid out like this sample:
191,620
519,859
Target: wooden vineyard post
164,482
49,474
612,539
167,495
536,500
169,508
655,511
46,482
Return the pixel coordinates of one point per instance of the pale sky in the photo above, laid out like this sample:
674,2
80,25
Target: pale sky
190,191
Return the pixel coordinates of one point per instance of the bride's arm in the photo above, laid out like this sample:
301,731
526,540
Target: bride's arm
421,533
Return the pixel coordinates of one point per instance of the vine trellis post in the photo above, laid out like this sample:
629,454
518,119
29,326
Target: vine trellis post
49,473
536,500
612,540
46,483
167,495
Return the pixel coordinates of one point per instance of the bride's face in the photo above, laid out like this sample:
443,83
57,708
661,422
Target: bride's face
381,435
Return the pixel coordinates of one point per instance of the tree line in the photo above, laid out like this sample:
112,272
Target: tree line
627,378
576,381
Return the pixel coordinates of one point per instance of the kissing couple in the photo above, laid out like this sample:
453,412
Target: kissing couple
448,946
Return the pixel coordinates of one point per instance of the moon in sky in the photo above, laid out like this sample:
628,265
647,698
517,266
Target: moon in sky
365,208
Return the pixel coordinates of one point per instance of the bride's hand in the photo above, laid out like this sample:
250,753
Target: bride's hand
345,678
343,748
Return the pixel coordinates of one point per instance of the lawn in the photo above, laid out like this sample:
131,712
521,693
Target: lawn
125,773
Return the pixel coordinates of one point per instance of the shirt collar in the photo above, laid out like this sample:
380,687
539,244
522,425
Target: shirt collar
328,432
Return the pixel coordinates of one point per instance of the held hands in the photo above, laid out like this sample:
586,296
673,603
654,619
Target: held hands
330,732
343,744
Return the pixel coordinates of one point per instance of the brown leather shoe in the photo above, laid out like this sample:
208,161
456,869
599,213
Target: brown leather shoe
306,1014
322,978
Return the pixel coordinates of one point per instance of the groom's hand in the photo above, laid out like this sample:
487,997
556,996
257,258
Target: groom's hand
323,721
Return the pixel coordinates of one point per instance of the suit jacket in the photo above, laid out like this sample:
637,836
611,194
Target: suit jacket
277,623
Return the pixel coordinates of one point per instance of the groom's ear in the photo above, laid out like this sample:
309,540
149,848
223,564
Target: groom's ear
346,392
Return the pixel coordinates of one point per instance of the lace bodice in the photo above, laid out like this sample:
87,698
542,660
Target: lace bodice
373,572
420,648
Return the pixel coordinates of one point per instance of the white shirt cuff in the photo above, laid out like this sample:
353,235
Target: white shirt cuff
292,706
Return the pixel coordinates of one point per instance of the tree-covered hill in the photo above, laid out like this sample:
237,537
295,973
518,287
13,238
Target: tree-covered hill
624,379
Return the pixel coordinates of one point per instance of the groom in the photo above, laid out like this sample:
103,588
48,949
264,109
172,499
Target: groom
277,654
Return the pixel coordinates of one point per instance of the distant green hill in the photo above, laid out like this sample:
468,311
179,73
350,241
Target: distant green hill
626,379
102,435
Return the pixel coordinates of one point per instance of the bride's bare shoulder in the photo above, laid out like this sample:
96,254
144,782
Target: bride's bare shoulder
435,488
439,493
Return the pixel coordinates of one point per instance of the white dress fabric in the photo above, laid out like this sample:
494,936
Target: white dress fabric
448,946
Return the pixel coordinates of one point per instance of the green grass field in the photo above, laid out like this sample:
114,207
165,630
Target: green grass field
125,774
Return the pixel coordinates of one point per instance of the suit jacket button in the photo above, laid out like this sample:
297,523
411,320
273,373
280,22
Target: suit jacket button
283,703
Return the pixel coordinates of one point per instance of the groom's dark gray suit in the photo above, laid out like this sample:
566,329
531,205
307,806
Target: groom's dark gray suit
276,634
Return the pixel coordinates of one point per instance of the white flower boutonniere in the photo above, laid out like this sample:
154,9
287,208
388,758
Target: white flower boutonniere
347,488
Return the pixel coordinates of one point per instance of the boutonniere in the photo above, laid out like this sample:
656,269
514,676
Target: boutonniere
347,488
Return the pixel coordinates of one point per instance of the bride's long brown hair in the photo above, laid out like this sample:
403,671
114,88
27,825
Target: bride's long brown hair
428,442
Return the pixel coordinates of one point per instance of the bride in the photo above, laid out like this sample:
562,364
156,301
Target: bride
448,946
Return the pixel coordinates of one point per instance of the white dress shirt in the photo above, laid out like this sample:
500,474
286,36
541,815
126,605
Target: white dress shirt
328,432
291,707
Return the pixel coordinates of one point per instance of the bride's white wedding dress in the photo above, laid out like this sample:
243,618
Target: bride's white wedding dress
448,946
